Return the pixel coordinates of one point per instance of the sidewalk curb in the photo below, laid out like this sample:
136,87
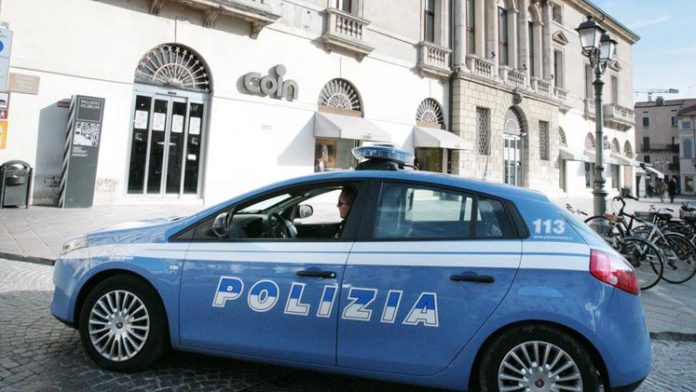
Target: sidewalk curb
27,259
673,336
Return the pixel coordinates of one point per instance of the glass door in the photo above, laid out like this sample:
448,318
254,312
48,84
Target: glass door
165,145
511,156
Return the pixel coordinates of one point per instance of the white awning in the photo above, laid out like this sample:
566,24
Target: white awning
437,138
591,154
623,160
654,172
567,154
347,127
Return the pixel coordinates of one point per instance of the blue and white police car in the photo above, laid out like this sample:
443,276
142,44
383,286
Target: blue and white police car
399,275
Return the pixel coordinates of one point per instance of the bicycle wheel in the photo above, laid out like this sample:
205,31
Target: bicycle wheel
679,255
604,227
645,258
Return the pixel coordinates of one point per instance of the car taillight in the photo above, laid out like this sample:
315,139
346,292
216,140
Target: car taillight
612,270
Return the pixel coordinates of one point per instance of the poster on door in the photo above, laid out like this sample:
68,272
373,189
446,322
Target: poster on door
195,126
158,121
177,123
3,134
140,119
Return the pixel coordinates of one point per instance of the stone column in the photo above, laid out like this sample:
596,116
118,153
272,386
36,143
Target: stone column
512,38
492,35
536,38
459,35
523,34
480,19
547,48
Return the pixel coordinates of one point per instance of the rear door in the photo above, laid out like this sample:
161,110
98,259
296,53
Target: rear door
434,265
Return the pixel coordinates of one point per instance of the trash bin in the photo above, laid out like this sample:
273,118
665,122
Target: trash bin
15,181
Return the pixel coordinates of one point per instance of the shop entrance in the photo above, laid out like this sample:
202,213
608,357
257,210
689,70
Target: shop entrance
165,157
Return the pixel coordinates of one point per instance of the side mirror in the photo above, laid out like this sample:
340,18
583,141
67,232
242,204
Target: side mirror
304,211
219,227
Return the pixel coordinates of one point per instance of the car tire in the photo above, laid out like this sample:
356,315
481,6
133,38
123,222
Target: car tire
123,325
499,366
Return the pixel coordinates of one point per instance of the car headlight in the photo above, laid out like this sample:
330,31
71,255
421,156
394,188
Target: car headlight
74,244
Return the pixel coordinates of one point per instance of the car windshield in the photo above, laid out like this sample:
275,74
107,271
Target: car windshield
265,204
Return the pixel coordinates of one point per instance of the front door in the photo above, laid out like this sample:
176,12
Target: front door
166,145
511,157
410,300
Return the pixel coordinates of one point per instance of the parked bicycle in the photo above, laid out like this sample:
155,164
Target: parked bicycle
678,252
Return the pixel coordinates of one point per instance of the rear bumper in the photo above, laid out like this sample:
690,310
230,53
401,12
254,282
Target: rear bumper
627,353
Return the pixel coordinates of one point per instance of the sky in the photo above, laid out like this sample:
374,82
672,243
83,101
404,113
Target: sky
665,56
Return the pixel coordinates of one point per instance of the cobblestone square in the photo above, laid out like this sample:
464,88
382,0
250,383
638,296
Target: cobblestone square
38,353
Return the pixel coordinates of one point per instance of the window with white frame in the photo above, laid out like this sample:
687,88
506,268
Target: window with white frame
614,89
557,13
503,37
429,21
345,6
687,149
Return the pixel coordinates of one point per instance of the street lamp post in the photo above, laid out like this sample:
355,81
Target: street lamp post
599,47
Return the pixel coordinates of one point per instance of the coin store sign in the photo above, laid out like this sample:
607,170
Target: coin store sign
271,85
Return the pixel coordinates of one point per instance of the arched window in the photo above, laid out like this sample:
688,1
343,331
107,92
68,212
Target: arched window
562,136
429,114
173,65
590,141
615,146
512,124
628,150
340,95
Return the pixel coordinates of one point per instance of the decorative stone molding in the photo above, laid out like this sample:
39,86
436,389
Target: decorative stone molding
256,12
560,38
619,117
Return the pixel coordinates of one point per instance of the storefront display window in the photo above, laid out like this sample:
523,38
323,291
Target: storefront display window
429,159
688,184
334,154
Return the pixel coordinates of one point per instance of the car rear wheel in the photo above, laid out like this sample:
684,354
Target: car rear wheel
122,324
537,358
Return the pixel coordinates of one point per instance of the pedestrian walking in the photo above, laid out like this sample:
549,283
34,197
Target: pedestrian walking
662,190
672,189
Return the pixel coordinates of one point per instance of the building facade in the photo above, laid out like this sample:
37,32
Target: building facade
658,139
686,122
205,99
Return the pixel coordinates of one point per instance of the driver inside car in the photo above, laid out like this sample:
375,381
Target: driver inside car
345,202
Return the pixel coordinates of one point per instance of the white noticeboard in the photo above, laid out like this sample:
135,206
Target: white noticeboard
140,119
195,126
158,121
5,51
177,123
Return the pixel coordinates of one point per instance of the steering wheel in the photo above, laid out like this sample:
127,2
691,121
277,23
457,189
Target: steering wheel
280,227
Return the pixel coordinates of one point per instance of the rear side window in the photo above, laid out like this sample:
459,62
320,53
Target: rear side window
414,212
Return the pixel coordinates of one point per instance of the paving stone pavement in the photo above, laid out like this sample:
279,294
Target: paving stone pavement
38,353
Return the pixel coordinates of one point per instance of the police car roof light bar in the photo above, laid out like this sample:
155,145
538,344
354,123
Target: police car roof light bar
382,158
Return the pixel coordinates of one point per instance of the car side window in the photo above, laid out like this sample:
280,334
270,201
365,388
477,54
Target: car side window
492,221
419,212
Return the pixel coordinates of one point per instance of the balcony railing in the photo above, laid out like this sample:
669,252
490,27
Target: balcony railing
653,147
512,76
434,60
479,66
561,93
541,86
347,32
621,117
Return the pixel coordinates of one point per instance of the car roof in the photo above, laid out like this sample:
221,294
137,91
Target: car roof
492,188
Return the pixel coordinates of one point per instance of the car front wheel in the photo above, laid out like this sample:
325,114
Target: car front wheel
122,324
537,358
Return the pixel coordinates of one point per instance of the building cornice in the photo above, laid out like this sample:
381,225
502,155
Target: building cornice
588,8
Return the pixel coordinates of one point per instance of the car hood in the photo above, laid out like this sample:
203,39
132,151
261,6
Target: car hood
156,230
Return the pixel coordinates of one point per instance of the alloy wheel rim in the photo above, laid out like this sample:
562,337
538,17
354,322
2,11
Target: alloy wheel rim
538,366
119,324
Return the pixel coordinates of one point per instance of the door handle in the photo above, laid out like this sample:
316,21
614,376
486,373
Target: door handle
316,274
471,277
